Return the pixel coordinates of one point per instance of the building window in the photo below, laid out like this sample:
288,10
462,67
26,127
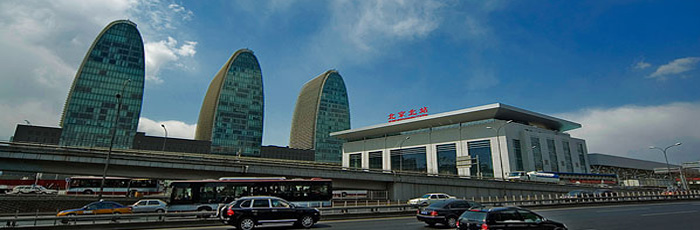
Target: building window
582,157
481,151
356,160
375,160
447,159
567,157
518,155
410,159
553,155
537,153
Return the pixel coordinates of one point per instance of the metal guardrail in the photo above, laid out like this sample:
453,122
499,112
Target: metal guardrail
339,212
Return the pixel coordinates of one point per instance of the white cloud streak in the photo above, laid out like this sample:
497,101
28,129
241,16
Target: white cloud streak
676,67
165,51
641,65
177,129
629,130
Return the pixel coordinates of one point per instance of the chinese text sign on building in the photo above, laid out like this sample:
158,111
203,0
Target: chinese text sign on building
410,114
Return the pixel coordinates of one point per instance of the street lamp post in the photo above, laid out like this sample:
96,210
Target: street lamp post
668,166
401,153
166,135
498,142
114,134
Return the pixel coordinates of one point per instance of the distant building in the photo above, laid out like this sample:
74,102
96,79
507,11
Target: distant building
321,108
232,112
276,152
143,142
484,141
114,63
37,134
632,172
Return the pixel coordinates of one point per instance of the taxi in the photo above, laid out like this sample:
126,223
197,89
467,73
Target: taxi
100,207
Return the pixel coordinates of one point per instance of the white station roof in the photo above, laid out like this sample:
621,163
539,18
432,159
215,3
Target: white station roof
493,111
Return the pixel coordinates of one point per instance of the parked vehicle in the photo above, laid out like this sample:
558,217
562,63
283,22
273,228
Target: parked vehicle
429,198
505,218
4,189
446,212
95,208
247,212
149,205
27,189
604,192
578,194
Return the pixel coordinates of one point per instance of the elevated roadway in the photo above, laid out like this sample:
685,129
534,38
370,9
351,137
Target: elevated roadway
170,165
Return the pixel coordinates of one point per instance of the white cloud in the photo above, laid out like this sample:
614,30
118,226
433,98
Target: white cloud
177,129
163,52
641,65
675,67
629,130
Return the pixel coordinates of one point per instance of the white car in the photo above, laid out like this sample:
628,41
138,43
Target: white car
149,205
27,189
429,199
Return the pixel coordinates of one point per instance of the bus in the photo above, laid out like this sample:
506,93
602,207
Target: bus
534,176
564,177
113,186
207,195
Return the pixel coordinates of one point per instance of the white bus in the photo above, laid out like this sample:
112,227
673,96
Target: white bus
113,186
534,176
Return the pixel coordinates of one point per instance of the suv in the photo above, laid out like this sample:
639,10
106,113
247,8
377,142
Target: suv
429,199
247,212
505,218
26,189
445,212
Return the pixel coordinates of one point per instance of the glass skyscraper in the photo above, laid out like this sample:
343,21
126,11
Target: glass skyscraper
232,112
322,108
114,62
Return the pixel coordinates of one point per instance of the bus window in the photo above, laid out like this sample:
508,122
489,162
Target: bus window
182,194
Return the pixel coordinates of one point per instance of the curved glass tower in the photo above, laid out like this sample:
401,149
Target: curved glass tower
232,112
322,108
114,62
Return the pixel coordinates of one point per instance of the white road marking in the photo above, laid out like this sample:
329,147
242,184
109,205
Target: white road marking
669,213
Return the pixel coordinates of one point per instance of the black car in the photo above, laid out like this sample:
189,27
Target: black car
247,212
505,218
445,212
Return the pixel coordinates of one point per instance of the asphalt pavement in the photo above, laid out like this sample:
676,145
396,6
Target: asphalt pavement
677,215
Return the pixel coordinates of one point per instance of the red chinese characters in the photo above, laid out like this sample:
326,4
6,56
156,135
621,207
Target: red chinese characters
403,115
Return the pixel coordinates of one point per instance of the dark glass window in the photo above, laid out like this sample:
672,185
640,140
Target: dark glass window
553,155
582,157
447,159
375,160
410,159
537,153
518,155
481,150
261,203
568,162
356,160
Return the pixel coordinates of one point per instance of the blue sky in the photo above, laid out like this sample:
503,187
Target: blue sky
626,70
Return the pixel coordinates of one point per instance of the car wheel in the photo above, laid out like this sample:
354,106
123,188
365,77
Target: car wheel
305,222
424,203
204,209
87,192
559,228
451,222
160,211
246,223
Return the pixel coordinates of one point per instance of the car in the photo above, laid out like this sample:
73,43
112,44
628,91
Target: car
99,207
149,205
429,199
604,192
505,218
27,189
578,194
445,212
4,189
247,212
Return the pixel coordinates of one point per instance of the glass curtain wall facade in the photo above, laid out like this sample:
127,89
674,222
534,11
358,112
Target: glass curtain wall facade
567,157
582,158
481,150
519,166
232,113
375,160
537,153
553,155
322,108
114,62
447,159
409,159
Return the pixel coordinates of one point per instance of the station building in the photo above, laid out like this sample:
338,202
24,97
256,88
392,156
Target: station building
484,141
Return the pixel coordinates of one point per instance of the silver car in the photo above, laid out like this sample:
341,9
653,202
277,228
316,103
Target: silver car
27,189
149,205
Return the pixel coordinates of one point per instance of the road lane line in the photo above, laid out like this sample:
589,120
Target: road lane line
622,210
669,213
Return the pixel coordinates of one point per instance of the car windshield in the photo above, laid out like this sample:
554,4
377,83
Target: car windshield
440,204
425,196
474,216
